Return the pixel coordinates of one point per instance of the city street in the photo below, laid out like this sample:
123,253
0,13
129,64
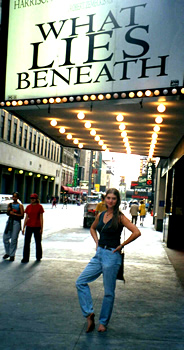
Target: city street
39,304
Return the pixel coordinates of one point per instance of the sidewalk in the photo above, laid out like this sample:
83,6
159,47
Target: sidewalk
39,306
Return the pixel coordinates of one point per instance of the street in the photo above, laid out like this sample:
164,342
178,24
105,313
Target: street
39,303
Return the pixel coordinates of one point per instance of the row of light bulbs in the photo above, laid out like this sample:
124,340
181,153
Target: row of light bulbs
87,125
122,128
158,120
100,97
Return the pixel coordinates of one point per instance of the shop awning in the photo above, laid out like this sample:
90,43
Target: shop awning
70,190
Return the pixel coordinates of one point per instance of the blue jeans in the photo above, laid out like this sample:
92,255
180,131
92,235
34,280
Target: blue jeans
108,263
10,238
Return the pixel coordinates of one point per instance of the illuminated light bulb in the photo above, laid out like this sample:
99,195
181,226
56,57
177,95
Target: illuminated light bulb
51,100
131,94
58,100
20,171
123,95
53,122
10,169
97,138
80,145
62,130
108,96
182,90
104,147
80,115
122,126
115,95
119,117
93,97
100,143
128,151
156,92
38,175
125,139
154,141
154,135
45,177
20,103
156,128
85,98
161,108
139,93
69,136
87,125
30,174
64,99
44,100
100,97
52,178
93,132
71,98
158,120
174,91
148,93
2,104
75,141
124,134
14,103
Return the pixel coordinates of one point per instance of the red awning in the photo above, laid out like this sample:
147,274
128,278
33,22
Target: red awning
68,189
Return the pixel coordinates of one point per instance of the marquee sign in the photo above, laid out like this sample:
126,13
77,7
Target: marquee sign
72,47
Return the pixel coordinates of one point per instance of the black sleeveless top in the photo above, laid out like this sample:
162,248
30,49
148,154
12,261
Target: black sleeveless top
108,235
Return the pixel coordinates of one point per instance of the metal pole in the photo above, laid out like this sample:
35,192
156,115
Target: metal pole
90,173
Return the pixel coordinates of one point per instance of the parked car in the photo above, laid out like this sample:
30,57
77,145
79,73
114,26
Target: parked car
89,210
5,199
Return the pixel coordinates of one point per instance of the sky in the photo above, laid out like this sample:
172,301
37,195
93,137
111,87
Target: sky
125,165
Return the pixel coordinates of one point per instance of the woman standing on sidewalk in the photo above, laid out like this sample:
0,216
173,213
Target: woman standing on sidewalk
107,259
15,212
34,224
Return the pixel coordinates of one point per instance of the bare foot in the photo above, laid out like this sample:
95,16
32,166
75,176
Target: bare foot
102,328
91,323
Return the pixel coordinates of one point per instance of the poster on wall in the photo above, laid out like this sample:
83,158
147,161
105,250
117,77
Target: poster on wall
62,48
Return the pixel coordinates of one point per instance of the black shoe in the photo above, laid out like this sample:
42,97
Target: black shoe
6,256
23,261
12,258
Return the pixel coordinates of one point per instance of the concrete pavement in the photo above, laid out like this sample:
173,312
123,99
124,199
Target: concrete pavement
39,306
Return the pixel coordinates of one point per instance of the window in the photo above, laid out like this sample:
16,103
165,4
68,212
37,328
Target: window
30,139
25,138
9,129
49,150
20,135
34,143
52,148
38,148
2,127
46,148
14,131
42,147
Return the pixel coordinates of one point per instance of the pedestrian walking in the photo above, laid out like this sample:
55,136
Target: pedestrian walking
100,206
34,224
106,261
65,202
54,201
15,212
142,210
134,211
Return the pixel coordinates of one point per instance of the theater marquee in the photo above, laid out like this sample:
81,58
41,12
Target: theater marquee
58,48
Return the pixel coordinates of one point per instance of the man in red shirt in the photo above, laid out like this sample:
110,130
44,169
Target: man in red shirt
34,224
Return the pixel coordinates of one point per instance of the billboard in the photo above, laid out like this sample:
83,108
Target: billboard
62,48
